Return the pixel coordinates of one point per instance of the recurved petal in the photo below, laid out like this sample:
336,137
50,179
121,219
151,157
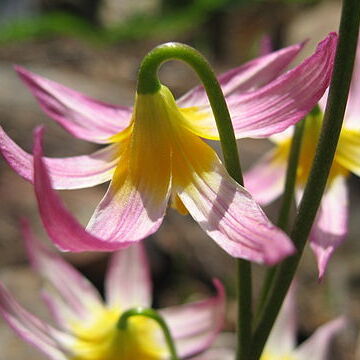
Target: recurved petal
31,329
78,293
63,229
194,326
348,149
66,173
317,346
247,77
80,115
279,104
223,208
128,283
330,227
286,100
266,179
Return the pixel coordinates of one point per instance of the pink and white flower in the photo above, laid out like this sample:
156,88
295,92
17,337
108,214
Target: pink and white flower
156,154
266,179
87,327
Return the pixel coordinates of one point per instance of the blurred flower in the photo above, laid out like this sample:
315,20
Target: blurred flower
88,327
282,344
156,154
266,179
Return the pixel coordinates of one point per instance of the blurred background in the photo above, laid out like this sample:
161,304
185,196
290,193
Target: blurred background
95,46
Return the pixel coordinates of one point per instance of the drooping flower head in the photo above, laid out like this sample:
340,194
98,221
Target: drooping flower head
266,179
88,327
156,155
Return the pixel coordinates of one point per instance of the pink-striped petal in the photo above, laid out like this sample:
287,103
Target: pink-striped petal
318,345
247,77
128,283
82,116
286,100
128,214
279,104
63,229
78,293
194,326
65,173
265,180
223,208
31,329
330,227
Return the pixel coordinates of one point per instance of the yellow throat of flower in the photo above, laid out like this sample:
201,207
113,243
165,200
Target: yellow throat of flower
102,340
310,138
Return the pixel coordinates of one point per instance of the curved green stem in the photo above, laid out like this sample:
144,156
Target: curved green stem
287,200
152,314
148,83
333,117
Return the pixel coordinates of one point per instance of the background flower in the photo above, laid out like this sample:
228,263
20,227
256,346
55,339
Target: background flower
88,327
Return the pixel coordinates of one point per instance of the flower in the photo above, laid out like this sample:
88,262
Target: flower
266,179
282,342
155,154
88,327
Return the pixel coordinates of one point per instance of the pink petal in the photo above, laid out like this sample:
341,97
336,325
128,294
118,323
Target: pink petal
194,326
286,100
30,328
128,283
63,229
251,75
265,180
66,173
224,209
318,345
128,214
330,227
78,293
282,339
82,116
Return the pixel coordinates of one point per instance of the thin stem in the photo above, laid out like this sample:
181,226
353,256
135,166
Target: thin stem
333,117
152,314
287,200
148,83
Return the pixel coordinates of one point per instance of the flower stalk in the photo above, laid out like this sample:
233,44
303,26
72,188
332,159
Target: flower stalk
333,118
288,197
154,315
148,83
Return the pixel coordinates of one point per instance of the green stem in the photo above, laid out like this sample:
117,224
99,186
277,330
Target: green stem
148,83
287,200
330,132
152,314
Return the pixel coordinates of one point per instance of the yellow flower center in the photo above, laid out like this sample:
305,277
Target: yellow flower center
100,339
310,138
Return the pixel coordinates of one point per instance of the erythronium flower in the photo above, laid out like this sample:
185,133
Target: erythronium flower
282,344
88,327
156,154
266,179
